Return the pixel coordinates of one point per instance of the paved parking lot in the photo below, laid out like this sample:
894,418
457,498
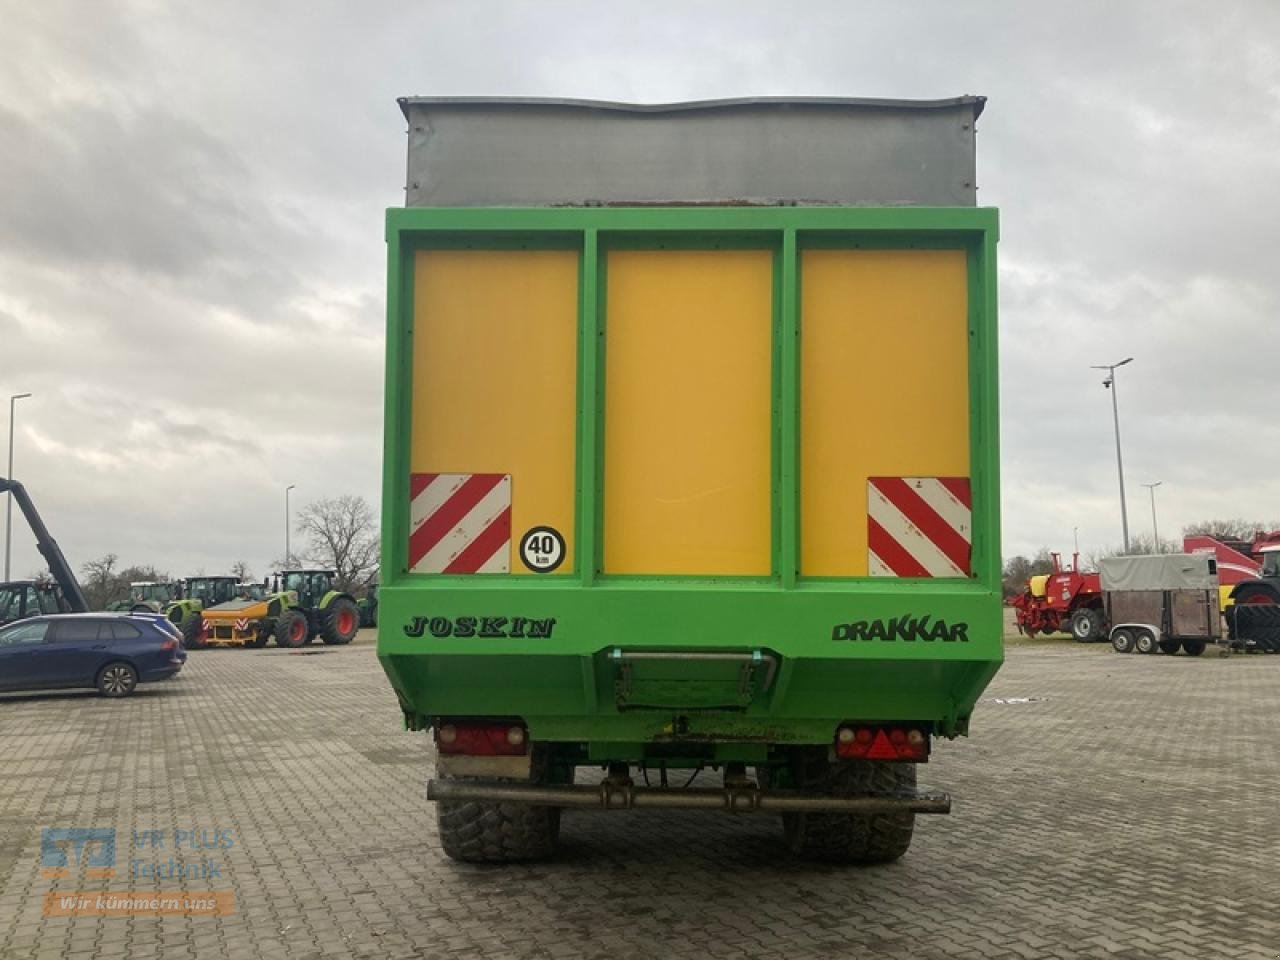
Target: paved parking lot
1107,805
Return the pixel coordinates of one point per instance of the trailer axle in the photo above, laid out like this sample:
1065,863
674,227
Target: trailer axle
736,799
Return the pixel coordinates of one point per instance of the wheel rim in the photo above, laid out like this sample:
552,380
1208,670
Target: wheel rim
1258,598
346,622
117,680
297,630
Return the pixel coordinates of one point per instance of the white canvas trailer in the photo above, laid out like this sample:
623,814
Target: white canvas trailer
1164,602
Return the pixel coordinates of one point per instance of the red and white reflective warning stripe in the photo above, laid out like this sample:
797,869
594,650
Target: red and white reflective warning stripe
460,523
242,625
919,527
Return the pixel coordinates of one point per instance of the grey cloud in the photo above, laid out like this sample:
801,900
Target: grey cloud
191,257
149,191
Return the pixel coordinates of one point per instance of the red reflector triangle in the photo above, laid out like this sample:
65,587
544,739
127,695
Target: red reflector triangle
881,748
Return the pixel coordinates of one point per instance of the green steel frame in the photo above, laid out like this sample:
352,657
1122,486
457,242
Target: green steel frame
564,685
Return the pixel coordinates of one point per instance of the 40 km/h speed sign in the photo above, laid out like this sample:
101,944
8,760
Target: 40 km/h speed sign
542,549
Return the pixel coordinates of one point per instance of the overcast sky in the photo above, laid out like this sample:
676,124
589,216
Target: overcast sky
192,264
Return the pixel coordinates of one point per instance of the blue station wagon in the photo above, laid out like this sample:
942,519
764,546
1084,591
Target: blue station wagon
112,652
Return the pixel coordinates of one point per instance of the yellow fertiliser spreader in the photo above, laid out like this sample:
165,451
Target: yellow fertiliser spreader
307,606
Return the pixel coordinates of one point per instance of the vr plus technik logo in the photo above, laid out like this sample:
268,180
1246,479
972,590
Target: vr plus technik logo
64,849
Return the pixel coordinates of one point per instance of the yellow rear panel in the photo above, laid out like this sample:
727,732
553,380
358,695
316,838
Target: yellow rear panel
495,377
884,389
688,369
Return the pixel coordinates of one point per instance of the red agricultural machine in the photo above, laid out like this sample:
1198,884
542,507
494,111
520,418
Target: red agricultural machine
1250,568
1070,601
1065,600
1249,572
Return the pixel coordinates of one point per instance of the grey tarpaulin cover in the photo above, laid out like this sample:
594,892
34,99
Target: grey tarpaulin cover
1168,571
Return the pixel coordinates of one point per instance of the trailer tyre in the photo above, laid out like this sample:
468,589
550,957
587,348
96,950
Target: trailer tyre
1169,646
855,838
1086,624
1145,642
476,832
1123,641
339,622
1193,648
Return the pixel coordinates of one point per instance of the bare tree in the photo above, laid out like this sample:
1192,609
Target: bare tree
101,581
142,571
1140,545
240,570
103,584
343,536
294,561
1018,570
1227,529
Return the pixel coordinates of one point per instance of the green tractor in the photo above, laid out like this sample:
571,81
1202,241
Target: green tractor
148,596
179,606
321,610
369,606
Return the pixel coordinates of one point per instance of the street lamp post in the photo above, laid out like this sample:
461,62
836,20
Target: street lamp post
1155,530
8,506
286,522
1110,382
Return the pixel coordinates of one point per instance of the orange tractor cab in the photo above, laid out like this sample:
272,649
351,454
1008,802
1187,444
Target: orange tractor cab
1065,600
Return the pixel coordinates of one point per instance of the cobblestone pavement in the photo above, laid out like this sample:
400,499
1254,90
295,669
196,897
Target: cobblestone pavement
1106,805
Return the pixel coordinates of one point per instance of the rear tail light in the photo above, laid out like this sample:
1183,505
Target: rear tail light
169,645
482,739
882,743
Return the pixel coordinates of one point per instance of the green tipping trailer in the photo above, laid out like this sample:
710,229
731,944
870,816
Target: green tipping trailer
691,461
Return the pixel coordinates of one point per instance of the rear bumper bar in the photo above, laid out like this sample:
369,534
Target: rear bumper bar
743,799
